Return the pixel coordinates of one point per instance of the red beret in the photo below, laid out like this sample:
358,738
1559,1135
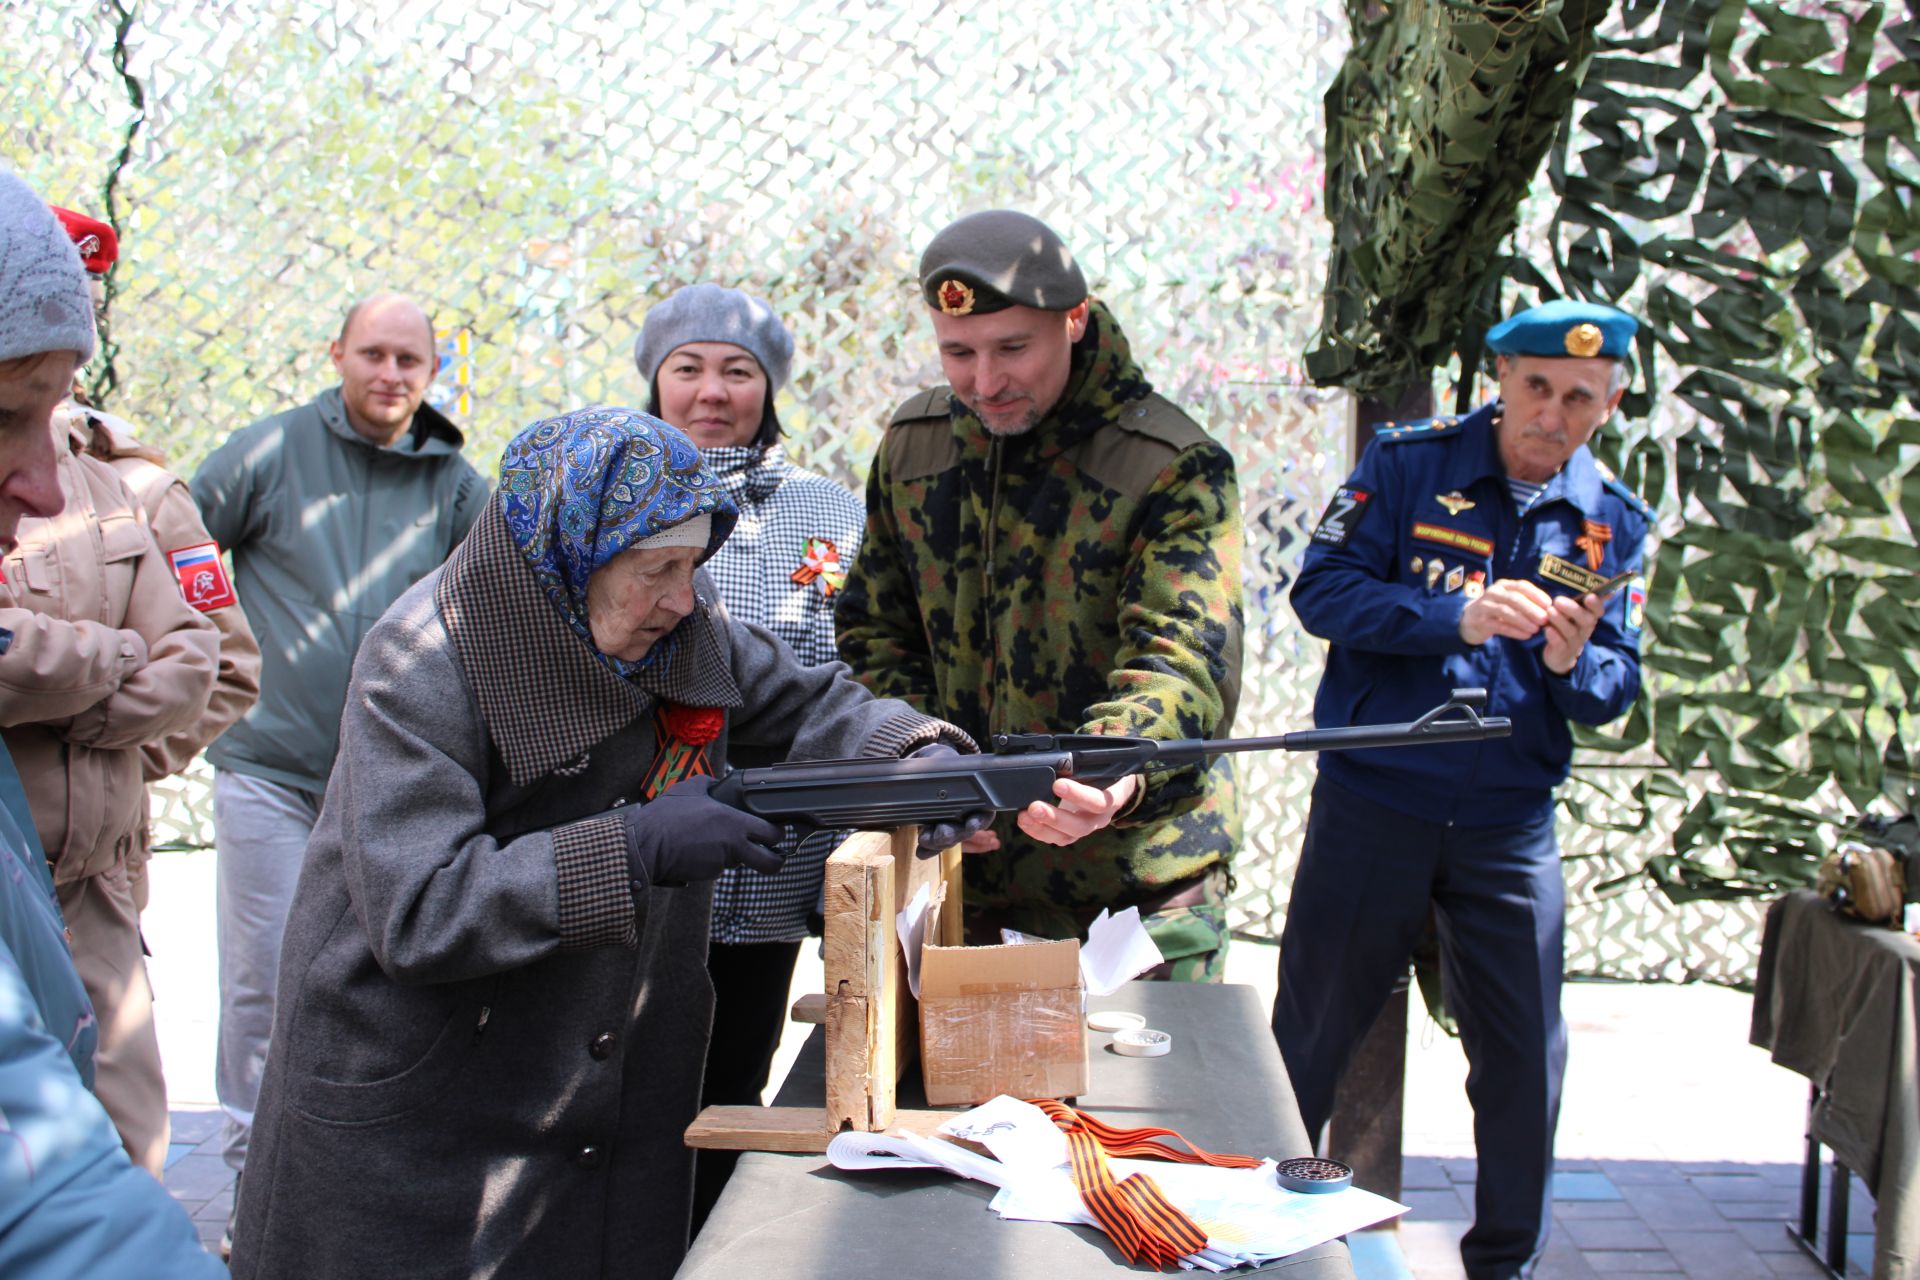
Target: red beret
95,240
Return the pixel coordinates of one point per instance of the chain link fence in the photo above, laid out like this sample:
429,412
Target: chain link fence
541,171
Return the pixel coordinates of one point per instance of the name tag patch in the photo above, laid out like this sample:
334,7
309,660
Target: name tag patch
1349,507
202,576
1460,539
1568,574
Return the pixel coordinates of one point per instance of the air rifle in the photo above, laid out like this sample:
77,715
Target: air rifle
872,794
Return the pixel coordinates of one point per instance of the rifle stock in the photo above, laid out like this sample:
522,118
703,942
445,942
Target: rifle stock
874,794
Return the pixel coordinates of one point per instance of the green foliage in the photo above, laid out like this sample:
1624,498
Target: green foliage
1436,126
1741,174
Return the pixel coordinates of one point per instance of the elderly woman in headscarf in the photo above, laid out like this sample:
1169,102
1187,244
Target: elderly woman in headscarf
494,1005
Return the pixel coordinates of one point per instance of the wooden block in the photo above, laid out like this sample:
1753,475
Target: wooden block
789,1129
810,1008
953,929
861,949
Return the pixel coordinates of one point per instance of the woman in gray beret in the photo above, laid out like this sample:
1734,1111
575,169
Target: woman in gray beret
713,358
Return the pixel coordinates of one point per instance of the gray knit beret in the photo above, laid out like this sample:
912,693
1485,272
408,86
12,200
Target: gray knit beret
712,313
996,259
45,304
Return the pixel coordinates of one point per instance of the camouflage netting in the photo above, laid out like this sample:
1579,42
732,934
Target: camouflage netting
542,172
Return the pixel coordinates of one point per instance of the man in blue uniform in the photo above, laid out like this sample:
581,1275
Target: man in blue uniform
1485,551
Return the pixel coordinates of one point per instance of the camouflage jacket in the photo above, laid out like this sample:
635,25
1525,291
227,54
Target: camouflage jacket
1081,577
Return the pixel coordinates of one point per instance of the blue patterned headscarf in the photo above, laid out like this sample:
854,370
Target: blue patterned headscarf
579,489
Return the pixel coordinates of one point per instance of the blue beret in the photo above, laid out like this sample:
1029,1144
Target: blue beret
1564,327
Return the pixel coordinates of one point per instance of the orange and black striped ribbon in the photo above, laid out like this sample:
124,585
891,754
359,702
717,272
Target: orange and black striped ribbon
1134,1213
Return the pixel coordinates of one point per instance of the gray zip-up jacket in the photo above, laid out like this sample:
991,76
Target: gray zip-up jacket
326,531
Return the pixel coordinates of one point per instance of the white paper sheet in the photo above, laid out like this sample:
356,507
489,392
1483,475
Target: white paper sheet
1117,950
911,924
1248,1217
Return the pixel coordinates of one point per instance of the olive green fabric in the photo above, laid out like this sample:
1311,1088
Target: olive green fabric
1081,577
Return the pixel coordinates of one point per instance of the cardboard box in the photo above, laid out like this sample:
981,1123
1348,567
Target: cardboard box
997,1020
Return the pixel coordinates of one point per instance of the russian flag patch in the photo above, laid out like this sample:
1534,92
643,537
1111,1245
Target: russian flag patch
202,576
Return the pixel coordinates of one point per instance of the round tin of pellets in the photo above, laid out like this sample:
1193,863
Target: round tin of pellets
1313,1175
1115,1020
1142,1043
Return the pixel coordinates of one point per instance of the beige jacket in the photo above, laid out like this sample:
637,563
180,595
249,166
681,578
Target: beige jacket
105,657
175,520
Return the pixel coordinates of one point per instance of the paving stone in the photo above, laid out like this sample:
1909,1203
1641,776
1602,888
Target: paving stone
1713,1255
1625,1173
1725,1187
198,1178
1677,1205
1768,1237
1796,1265
1460,1171
1587,1210
1562,1260
1611,1233
195,1126
175,1151
1638,1262
216,1209
1758,1210
1573,1184
1422,1173
1444,1203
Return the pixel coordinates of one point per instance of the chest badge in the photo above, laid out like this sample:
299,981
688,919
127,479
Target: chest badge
1593,540
820,561
1435,567
202,577
1454,502
1476,584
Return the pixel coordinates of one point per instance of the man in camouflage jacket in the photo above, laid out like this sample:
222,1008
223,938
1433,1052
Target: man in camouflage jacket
1053,548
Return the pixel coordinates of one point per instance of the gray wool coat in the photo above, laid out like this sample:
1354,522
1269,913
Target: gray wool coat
488,1044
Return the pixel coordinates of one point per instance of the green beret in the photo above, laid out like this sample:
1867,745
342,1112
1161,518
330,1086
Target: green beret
1564,327
998,259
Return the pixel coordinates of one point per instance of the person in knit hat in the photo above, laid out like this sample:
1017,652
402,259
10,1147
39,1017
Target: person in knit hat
79,733
75,1205
713,359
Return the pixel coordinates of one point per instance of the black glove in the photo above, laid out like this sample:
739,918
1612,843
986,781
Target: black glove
683,835
943,835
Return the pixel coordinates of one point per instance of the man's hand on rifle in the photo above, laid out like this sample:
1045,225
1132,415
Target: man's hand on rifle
1080,811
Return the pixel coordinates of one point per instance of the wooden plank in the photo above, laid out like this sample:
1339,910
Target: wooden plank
860,948
790,1129
811,1007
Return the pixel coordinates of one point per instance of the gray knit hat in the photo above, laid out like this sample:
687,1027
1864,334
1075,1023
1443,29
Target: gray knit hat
45,304
712,313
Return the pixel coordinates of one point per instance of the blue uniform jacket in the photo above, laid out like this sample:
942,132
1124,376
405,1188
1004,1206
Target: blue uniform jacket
1424,524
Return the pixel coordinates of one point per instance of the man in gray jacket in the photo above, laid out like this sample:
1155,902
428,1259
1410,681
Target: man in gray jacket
331,511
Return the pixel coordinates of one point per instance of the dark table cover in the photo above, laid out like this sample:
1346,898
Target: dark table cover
1223,1086
1835,1000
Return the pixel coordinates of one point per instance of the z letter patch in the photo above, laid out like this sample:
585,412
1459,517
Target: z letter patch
203,578
1349,506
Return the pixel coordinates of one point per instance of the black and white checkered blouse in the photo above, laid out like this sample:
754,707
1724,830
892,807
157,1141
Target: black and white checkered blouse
781,507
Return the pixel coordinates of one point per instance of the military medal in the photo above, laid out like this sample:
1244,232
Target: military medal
1593,540
956,299
1434,569
1476,584
1416,566
1454,502
820,559
1456,576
